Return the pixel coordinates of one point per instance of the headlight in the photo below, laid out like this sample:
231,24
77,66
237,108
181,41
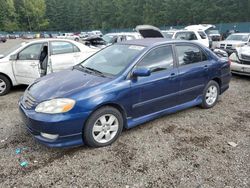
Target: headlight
239,45
55,106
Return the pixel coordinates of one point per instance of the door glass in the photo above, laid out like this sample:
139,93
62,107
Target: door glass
61,48
159,59
202,34
31,52
189,54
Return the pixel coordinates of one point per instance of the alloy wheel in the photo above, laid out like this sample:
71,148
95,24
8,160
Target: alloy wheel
211,95
105,128
2,86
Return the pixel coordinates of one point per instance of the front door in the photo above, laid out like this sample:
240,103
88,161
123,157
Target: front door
158,91
26,66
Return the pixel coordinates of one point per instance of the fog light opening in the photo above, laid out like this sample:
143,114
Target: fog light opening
50,136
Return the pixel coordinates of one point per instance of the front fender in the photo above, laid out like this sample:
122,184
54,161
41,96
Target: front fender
6,69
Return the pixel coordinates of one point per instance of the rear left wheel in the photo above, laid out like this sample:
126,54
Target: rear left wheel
103,127
210,95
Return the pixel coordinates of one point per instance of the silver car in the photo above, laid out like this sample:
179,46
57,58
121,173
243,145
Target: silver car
240,61
234,41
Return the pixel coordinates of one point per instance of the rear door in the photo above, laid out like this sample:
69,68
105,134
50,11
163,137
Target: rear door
193,66
158,91
26,67
63,56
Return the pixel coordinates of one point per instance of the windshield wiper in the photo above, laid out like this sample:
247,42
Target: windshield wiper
93,70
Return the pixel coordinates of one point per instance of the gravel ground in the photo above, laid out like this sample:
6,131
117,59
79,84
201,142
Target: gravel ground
186,149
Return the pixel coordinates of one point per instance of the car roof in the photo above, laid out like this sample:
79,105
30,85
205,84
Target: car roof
150,42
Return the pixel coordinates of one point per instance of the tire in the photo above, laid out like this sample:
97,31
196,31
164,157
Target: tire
5,85
210,95
77,39
98,131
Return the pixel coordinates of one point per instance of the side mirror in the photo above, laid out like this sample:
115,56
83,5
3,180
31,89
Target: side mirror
13,57
141,72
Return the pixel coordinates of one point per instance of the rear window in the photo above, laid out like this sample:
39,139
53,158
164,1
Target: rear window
186,35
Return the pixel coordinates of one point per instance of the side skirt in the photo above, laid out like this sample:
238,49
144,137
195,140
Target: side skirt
137,121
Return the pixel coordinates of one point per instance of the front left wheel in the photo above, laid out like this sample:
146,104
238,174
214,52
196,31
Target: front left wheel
5,85
103,127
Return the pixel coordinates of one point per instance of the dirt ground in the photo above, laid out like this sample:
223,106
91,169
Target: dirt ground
186,149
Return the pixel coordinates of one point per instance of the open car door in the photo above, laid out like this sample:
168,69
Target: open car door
149,31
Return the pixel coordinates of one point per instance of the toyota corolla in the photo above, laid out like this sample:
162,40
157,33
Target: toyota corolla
120,87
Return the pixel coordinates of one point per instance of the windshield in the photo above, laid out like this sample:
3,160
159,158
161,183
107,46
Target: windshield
238,37
113,59
213,32
107,38
168,35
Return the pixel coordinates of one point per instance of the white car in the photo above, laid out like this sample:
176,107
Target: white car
188,34
70,36
240,60
148,31
234,41
29,61
111,38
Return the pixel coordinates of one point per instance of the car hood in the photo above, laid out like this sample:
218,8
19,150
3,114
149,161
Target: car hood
234,42
62,84
244,52
148,31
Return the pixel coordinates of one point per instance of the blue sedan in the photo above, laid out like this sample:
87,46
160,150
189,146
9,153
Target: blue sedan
122,86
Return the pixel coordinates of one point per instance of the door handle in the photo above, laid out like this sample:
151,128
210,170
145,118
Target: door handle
205,66
172,76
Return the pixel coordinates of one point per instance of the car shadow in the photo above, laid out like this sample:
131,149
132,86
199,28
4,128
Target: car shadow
19,88
242,77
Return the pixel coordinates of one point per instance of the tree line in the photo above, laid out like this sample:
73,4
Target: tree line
79,15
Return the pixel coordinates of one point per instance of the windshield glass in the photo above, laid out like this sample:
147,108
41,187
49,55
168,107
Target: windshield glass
213,32
238,37
168,35
113,59
107,38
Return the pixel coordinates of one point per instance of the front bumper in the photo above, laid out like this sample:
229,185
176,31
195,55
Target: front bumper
240,69
68,126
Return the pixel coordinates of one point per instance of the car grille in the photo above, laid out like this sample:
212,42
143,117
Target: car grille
229,46
245,62
222,46
28,101
246,57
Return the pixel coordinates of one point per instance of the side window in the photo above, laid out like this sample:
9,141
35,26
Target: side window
189,54
202,34
61,48
76,49
31,52
158,59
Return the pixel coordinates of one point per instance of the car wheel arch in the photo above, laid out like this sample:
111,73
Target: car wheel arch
218,80
117,106
7,78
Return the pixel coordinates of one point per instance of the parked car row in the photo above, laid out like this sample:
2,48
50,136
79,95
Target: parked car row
32,60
